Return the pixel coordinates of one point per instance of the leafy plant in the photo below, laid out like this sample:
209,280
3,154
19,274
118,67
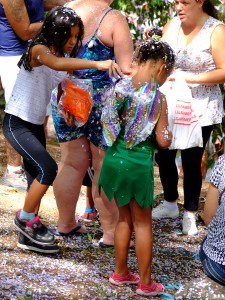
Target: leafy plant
141,14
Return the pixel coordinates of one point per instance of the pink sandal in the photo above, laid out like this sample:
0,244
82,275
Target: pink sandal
150,290
130,278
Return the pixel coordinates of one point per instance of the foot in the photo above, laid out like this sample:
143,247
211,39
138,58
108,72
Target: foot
34,230
16,179
189,225
130,278
88,217
26,244
150,290
77,229
161,211
104,245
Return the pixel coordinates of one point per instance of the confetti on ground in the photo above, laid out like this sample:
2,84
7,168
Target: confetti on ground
81,269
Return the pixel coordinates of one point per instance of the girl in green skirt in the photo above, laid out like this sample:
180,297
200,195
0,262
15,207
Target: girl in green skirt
134,119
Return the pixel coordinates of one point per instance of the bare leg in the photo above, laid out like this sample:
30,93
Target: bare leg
108,211
75,159
123,233
142,222
13,158
34,196
89,198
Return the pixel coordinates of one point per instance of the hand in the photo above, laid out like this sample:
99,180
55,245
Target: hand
111,66
69,118
145,34
175,74
171,78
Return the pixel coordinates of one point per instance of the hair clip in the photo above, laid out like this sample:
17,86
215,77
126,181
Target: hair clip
156,37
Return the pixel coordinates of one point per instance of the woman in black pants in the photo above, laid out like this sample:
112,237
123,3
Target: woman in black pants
197,37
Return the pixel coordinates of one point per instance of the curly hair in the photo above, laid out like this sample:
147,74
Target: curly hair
155,49
55,32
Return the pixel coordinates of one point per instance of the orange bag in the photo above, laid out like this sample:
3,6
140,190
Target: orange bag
76,101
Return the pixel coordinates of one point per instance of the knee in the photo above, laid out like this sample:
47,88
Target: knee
48,173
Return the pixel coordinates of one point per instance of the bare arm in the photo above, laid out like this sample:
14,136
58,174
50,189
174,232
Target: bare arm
18,18
41,55
122,42
165,28
211,204
49,4
163,135
218,52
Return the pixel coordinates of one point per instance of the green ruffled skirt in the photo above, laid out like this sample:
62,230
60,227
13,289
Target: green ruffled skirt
128,173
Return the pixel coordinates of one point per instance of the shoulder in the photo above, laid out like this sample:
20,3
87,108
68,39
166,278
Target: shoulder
217,27
116,16
173,22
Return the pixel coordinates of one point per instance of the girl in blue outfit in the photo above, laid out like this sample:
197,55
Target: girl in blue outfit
212,252
60,35
133,118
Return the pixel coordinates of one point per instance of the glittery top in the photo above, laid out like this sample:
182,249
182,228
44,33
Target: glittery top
142,110
94,49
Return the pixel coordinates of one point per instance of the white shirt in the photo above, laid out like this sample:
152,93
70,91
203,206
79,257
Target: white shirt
32,92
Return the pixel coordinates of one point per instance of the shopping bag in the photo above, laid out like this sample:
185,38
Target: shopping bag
182,115
76,99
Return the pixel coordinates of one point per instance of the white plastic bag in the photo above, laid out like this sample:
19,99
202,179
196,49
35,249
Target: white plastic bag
182,115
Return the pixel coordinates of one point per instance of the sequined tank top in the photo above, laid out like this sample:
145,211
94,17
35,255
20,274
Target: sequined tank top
94,49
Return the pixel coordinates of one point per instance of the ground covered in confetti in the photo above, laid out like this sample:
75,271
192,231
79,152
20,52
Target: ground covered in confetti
81,269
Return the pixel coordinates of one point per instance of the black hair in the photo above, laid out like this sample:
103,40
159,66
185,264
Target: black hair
155,30
209,8
55,32
155,49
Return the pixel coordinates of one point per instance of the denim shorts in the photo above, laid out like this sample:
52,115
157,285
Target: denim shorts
211,268
92,129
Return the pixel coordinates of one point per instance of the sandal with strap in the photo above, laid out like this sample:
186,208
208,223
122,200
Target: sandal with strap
130,278
150,290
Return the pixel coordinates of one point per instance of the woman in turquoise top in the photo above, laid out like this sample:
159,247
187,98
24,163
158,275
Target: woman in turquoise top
133,117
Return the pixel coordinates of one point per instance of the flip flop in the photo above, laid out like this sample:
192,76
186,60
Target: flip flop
105,246
74,231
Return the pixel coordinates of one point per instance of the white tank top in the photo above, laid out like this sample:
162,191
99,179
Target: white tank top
32,92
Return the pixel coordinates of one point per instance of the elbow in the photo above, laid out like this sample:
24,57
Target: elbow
164,141
207,220
164,144
25,36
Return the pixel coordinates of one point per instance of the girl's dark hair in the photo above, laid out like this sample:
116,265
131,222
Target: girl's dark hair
55,32
155,50
209,8
155,30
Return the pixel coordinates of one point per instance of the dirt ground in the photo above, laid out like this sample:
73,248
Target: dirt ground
81,269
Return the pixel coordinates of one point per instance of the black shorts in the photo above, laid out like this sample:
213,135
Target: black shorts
87,181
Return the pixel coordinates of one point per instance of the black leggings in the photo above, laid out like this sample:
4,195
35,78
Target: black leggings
191,164
29,141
